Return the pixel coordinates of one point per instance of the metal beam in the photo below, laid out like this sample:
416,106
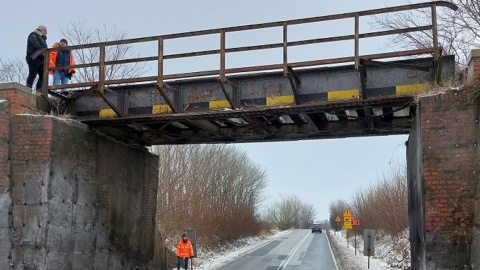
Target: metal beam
310,122
84,93
206,126
363,80
110,104
292,132
295,83
367,62
363,83
227,96
165,96
256,124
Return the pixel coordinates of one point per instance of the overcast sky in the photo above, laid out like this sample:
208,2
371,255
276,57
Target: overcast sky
318,171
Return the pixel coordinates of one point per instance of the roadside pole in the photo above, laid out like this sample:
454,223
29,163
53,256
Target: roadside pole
368,244
355,222
338,224
347,221
355,231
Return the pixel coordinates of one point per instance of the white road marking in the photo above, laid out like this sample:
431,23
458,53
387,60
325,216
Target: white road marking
331,251
289,256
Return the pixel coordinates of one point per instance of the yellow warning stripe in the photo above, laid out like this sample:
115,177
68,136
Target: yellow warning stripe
162,108
343,94
280,100
219,104
107,113
411,88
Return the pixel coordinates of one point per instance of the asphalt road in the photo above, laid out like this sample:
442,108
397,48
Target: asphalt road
298,250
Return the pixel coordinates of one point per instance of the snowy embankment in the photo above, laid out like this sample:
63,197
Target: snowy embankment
389,253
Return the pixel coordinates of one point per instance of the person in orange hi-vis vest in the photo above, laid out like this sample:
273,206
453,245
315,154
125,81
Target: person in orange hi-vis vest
184,251
61,58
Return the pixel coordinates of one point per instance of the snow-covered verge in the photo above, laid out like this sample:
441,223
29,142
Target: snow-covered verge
389,254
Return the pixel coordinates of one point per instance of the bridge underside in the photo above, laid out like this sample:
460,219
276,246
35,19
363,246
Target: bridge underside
380,116
310,103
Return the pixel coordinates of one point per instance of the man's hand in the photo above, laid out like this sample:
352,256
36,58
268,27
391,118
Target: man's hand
69,75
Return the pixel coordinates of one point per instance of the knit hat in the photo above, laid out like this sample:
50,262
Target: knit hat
64,41
184,234
42,27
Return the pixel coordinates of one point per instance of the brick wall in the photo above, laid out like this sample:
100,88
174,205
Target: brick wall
473,71
448,147
20,98
76,199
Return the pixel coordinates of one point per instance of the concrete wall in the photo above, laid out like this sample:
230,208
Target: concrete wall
70,198
442,165
416,191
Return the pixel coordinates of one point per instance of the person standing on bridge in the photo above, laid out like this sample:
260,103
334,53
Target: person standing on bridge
61,58
184,251
36,44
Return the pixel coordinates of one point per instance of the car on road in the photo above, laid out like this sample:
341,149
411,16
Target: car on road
316,228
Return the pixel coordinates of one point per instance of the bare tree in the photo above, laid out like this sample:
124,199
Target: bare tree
458,31
78,33
13,70
212,188
291,212
384,206
336,209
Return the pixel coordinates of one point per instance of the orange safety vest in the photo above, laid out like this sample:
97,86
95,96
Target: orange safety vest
185,249
53,59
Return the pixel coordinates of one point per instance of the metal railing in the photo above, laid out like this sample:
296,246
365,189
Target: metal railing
284,65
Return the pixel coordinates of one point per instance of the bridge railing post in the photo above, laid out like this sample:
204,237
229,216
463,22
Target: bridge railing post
101,69
285,48
436,51
160,62
357,41
222,55
45,74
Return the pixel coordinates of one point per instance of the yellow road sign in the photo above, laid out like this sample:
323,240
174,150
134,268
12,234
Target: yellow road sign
337,219
347,220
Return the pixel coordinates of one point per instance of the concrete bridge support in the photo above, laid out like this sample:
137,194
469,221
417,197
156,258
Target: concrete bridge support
443,157
70,198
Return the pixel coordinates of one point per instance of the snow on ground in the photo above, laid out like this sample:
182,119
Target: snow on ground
345,256
215,259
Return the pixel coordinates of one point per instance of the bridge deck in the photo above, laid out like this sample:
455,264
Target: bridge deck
325,103
368,95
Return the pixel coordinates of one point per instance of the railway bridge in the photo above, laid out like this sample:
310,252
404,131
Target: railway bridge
357,95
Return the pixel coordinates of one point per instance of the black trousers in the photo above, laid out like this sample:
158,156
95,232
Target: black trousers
35,67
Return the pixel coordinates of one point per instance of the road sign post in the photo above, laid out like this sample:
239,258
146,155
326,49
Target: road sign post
347,225
337,219
355,222
369,244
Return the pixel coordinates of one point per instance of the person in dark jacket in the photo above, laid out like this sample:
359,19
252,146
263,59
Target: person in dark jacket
36,43
62,58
